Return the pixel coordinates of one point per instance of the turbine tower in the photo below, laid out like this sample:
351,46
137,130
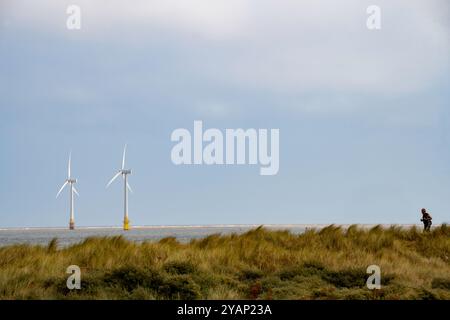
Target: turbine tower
124,172
71,181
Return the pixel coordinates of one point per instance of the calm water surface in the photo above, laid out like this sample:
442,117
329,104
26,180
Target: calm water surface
67,237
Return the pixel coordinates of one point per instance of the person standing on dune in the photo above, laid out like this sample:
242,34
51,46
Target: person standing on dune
426,219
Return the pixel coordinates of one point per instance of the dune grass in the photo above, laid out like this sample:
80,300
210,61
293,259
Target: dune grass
329,263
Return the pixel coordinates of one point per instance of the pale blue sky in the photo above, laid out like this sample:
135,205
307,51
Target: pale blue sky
363,115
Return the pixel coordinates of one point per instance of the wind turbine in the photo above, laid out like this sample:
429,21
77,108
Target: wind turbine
124,172
70,181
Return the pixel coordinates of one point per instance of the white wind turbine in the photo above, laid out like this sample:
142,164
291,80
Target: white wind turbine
71,182
124,172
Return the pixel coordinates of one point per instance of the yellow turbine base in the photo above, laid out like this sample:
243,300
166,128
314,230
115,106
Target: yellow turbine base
126,224
72,225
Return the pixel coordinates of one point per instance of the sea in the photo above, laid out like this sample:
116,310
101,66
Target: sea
66,237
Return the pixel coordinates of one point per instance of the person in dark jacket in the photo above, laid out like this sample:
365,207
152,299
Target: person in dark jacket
426,219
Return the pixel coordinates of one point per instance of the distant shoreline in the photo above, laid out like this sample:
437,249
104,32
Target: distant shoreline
306,226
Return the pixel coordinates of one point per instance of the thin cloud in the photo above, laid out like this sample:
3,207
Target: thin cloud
296,48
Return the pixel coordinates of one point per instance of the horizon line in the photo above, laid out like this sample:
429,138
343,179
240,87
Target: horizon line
232,225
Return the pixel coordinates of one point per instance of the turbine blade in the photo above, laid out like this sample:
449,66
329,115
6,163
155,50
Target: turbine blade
114,178
76,192
65,183
123,158
68,167
129,188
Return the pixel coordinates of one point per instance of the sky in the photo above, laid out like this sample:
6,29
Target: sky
363,114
